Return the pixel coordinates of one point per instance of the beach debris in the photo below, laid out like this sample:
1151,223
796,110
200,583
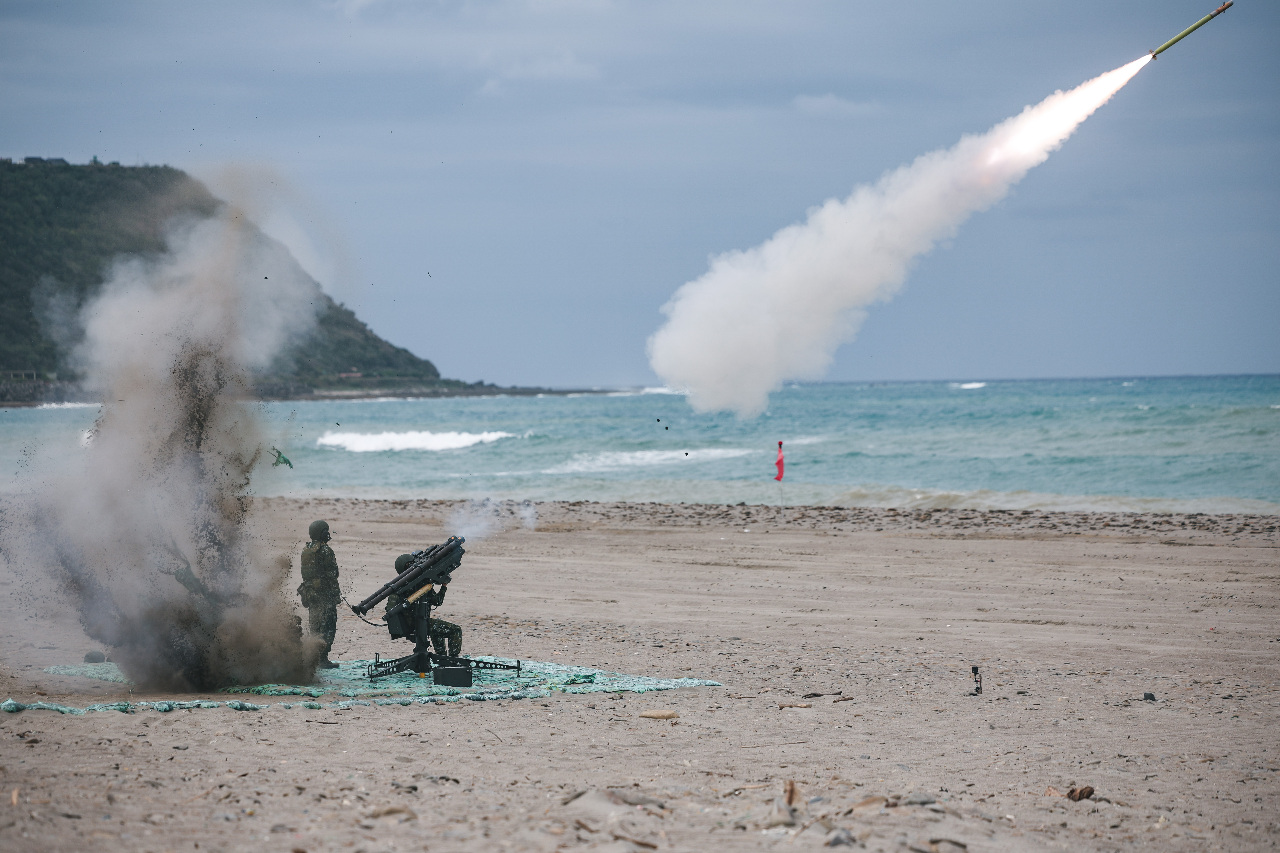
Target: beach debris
791,792
1148,697
947,845
439,780
741,788
819,695
407,814
780,814
782,705
870,804
623,814
977,681
839,837
1053,792
636,798
1084,792
281,459
920,845
843,699
762,746
610,803
920,798
628,839
659,714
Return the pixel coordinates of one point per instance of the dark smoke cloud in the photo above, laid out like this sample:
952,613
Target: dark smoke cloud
149,529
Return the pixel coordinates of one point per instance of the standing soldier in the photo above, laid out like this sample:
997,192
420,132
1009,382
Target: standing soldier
319,590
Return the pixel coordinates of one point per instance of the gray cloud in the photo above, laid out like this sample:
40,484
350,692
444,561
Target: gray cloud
833,106
621,143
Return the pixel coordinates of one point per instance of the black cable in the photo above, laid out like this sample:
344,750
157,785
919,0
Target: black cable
361,618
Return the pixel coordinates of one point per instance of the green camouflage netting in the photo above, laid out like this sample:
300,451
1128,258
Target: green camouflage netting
536,679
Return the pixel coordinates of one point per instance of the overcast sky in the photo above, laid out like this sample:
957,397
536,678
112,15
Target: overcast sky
514,189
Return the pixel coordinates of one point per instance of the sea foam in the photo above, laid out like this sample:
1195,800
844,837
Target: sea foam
616,460
364,442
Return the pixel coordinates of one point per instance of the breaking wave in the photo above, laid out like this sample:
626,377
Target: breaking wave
640,392
616,460
375,442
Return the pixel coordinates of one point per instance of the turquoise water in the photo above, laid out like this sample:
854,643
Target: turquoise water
1206,444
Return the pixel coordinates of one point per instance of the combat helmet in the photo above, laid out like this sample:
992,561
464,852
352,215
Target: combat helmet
402,562
319,531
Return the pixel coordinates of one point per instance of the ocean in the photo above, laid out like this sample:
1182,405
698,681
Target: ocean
1179,444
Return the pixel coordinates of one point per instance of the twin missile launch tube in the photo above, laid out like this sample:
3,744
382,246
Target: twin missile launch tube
1191,29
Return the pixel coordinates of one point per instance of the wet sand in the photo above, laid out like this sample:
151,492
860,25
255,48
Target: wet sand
1071,617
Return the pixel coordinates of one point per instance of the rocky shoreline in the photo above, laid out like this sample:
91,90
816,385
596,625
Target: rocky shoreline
1178,528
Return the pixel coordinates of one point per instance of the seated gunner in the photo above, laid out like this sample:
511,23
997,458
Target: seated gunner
445,637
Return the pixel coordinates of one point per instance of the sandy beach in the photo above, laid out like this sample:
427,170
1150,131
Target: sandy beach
844,641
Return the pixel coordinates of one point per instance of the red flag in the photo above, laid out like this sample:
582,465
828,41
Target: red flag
779,463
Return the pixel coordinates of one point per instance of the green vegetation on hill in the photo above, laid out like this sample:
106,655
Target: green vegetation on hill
60,227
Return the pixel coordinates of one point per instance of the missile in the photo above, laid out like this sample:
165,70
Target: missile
1191,29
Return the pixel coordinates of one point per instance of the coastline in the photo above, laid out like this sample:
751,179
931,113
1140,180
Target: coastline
325,394
1138,526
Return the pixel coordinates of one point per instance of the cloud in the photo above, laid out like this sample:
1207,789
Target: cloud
832,106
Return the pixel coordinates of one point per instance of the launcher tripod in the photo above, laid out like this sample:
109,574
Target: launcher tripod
424,662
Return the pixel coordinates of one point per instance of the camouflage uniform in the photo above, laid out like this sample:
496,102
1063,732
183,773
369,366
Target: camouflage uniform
442,631
319,589
446,637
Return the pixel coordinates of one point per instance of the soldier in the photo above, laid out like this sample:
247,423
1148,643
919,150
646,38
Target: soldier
319,589
441,632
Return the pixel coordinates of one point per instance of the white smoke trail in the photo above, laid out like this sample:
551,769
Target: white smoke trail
780,310
477,519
